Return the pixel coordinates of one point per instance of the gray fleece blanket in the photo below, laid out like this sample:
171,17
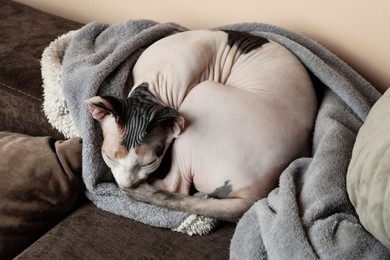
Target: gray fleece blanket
308,216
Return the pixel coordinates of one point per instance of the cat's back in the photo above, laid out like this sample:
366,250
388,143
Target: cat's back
173,65
241,136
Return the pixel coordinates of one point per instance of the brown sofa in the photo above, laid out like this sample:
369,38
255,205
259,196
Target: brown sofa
43,212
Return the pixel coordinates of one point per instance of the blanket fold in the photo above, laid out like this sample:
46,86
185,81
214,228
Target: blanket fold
308,216
98,61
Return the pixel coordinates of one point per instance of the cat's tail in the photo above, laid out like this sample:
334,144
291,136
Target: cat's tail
228,209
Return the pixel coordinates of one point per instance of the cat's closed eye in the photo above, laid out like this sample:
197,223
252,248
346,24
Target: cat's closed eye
150,163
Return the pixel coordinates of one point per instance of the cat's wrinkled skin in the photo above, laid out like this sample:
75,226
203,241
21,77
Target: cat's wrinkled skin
249,107
136,132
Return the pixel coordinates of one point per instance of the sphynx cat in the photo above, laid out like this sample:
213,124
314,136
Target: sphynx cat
240,107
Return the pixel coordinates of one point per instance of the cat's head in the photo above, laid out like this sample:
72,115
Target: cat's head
136,131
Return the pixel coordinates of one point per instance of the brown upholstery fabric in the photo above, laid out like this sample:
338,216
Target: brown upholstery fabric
24,33
90,233
40,182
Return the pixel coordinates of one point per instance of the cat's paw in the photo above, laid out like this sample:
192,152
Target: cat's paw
196,225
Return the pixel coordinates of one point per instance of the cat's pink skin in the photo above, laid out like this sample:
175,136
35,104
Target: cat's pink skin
247,115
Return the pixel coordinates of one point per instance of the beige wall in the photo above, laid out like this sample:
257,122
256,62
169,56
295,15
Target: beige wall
358,31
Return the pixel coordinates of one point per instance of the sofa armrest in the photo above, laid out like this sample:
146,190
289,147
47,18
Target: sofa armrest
25,33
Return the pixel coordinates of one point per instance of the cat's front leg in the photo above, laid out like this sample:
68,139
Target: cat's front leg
143,192
193,225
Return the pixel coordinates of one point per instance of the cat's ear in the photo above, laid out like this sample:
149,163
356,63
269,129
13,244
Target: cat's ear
170,120
178,126
100,107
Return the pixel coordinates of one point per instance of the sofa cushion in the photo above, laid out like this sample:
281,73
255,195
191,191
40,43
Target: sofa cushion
40,182
368,178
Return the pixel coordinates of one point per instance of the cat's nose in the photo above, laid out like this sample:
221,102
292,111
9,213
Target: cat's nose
129,184
126,186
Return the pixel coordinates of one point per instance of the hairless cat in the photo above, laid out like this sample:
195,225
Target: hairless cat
240,107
